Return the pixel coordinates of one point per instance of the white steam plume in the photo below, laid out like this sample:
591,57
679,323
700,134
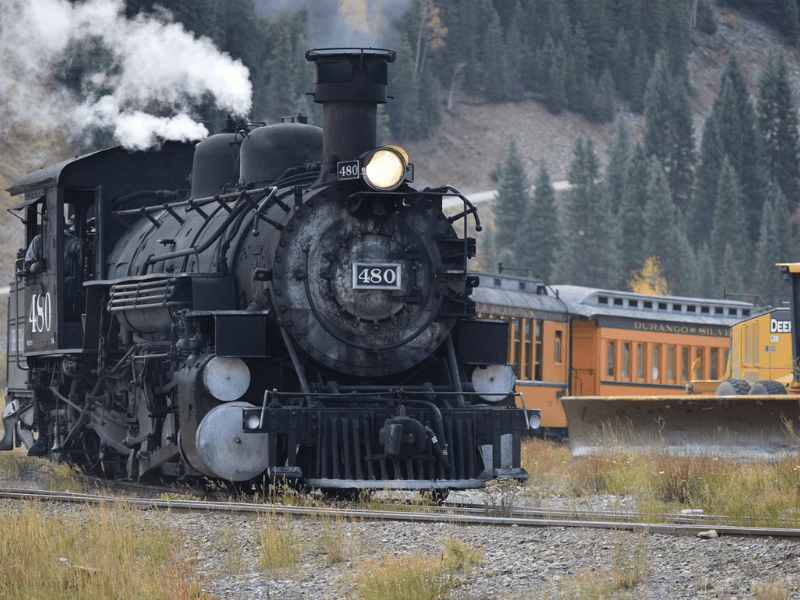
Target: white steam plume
159,71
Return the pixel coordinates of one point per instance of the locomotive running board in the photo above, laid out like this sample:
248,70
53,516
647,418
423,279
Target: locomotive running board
740,427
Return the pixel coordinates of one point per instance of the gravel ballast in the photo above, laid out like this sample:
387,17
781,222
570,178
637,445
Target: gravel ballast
508,562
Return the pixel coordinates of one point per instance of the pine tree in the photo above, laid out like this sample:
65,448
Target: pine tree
783,16
766,254
511,206
631,211
404,112
686,260
578,91
495,62
783,225
578,260
668,128
466,35
780,127
641,75
730,280
539,234
281,90
517,57
701,208
660,237
654,25
595,16
730,225
609,272
237,31
622,66
603,102
678,42
657,111
556,97
774,246
682,157
616,175
739,138
706,273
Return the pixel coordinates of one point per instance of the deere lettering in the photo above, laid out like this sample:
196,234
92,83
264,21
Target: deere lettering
776,326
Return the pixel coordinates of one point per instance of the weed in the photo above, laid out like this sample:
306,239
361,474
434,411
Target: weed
336,541
232,546
189,496
682,479
109,552
771,590
617,580
60,477
499,496
280,546
400,578
460,557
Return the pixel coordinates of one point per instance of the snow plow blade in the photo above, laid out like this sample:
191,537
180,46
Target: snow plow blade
741,427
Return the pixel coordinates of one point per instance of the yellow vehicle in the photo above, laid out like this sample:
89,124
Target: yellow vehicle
760,357
761,347
753,412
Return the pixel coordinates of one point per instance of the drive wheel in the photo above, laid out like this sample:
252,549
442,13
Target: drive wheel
733,387
85,453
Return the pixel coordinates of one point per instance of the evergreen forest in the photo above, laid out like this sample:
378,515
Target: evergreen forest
685,212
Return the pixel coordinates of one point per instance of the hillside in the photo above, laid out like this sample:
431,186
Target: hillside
474,137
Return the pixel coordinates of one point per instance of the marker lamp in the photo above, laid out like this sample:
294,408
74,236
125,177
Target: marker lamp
252,421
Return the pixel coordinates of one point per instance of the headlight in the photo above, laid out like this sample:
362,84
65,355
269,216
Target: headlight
385,168
534,419
493,383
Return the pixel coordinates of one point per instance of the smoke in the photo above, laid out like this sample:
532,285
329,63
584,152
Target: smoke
343,23
153,71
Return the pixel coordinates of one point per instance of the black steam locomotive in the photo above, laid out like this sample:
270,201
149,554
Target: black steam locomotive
301,312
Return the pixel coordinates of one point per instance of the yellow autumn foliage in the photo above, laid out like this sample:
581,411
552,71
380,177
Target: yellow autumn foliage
649,279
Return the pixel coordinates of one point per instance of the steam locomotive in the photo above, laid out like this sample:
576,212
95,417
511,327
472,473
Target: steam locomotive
296,311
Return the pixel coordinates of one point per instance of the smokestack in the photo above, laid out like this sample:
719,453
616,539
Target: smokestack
349,83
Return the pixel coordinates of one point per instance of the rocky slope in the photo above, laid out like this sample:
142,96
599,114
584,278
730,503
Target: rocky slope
474,137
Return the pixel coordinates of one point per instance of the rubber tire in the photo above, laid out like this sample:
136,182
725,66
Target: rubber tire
733,387
768,387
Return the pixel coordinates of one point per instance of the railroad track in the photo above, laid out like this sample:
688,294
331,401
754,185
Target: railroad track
454,514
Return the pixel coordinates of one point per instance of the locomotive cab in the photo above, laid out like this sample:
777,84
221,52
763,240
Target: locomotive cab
53,266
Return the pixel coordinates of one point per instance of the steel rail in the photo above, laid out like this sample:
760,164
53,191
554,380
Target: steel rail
453,518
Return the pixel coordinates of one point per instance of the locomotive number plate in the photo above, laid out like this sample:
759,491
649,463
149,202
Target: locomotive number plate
348,169
377,276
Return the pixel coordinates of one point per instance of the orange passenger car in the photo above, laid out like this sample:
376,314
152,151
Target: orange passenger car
577,341
538,337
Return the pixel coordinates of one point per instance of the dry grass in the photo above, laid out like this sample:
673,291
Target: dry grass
399,578
771,590
111,553
415,576
749,493
279,546
336,543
